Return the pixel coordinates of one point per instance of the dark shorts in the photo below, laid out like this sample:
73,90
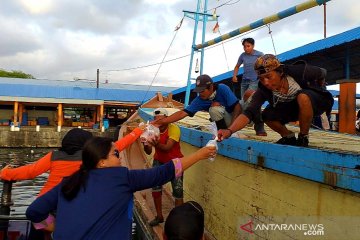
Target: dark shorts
289,111
176,184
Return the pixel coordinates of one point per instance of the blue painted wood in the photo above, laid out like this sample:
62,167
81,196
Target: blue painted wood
333,168
145,114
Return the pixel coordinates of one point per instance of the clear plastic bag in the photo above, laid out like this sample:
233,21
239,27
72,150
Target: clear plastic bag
213,142
151,133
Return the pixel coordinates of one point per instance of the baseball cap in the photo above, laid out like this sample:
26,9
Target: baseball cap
202,82
266,63
160,111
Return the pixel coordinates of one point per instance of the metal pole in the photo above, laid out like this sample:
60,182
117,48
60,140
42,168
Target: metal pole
347,62
273,18
97,78
5,207
325,20
203,37
187,94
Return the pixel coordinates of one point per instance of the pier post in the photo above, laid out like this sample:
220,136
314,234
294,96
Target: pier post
21,109
101,115
16,109
347,106
347,99
60,116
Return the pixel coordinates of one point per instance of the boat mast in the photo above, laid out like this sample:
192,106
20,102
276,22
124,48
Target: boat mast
273,18
202,17
203,39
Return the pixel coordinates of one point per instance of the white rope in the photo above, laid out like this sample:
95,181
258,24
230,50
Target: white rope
223,47
167,51
272,40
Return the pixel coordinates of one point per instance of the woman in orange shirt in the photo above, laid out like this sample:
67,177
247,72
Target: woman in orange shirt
62,162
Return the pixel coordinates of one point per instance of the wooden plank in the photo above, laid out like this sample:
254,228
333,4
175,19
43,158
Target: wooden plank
313,164
160,97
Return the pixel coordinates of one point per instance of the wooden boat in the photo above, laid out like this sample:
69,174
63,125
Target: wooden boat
256,189
254,182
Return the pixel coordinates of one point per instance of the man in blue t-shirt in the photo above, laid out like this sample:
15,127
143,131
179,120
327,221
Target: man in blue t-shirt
221,103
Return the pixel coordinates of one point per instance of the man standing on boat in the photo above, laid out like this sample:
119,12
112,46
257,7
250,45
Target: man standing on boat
247,58
166,149
294,92
221,103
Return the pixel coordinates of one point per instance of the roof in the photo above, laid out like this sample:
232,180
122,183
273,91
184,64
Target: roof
330,53
336,93
34,88
84,84
323,44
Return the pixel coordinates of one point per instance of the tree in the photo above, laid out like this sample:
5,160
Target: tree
15,74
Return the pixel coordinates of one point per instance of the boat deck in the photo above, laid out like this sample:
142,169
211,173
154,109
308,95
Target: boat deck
323,140
324,171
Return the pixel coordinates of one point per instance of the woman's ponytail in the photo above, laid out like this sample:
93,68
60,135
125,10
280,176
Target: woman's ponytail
95,149
73,183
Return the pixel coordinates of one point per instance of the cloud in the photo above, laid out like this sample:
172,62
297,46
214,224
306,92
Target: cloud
68,39
16,39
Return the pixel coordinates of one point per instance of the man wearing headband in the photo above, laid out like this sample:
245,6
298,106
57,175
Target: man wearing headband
294,92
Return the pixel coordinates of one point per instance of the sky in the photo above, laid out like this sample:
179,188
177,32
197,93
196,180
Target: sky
67,40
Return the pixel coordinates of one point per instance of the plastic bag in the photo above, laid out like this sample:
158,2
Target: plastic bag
151,133
213,142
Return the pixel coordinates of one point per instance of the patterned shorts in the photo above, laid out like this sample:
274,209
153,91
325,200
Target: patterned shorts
176,184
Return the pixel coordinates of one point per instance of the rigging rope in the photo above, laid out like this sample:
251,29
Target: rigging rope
152,81
179,25
224,4
226,60
145,66
272,40
183,56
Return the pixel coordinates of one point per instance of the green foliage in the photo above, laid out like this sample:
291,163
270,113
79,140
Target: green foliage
15,74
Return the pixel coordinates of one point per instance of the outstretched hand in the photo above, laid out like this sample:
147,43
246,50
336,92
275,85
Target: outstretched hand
6,167
223,134
156,123
206,152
